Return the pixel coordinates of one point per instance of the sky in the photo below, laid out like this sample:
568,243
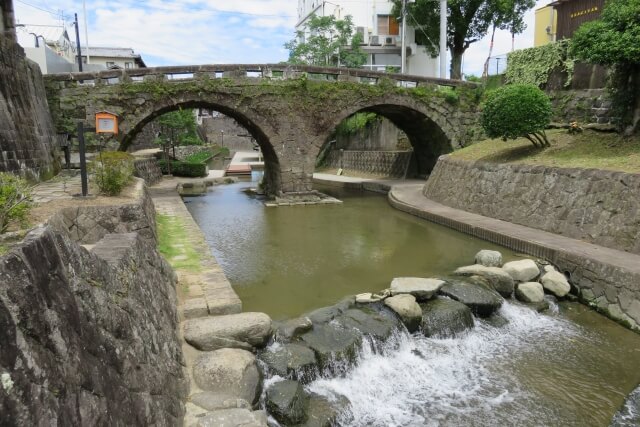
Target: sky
172,32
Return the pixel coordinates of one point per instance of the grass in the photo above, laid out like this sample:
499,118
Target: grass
585,150
174,244
3,249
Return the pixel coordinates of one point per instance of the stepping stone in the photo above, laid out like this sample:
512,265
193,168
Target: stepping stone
244,330
421,289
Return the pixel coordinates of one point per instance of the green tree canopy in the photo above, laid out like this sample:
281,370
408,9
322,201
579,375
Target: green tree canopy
468,22
614,40
178,128
327,41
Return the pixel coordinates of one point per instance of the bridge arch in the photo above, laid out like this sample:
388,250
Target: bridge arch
133,125
432,130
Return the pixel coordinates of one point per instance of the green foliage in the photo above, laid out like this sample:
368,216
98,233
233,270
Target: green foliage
174,244
178,128
193,170
327,41
112,171
468,21
532,66
200,157
614,40
15,200
517,111
356,123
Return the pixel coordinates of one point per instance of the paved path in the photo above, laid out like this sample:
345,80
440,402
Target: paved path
409,198
380,185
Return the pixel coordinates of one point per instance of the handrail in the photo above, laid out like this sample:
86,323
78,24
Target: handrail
287,69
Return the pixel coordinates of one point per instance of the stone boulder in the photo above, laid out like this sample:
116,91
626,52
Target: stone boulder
234,418
231,371
524,270
289,329
289,360
332,340
481,300
369,298
489,258
286,401
499,279
244,330
406,307
531,292
555,283
421,289
370,321
443,317
215,401
326,314
321,412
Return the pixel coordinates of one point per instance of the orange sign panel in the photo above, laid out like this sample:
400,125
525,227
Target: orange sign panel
106,123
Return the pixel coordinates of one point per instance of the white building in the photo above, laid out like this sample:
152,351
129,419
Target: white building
380,30
51,47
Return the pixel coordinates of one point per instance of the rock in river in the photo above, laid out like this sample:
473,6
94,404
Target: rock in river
234,418
377,323
230,371
407,308
489,258
321,412
530,292
286,401
289,329
482,301
289,360
330,340
442,317
523,271
244,330
556,283
499,279
422,289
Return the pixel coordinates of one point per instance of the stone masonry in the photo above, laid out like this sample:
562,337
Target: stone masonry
291,116
89,336
597,206
27,135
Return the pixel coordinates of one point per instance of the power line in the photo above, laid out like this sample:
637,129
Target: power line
210,9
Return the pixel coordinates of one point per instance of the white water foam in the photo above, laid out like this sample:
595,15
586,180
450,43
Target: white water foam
419,381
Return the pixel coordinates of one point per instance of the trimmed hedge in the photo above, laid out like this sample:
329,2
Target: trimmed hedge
184,169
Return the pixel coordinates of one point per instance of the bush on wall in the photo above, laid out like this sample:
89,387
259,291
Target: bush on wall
515,111
15,200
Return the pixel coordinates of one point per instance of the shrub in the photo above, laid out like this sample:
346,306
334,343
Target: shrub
15,200
199,157
112,171
517,111
184,169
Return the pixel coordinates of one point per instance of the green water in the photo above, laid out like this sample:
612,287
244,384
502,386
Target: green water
570,367
289,260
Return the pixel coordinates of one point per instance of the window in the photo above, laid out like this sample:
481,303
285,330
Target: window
110,64
388,26
128,65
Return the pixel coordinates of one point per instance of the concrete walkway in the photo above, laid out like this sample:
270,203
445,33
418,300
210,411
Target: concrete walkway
409,198
379,185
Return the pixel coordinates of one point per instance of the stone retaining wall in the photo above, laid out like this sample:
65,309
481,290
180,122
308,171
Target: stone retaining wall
89,337
597,206
28,144
149,170
384,163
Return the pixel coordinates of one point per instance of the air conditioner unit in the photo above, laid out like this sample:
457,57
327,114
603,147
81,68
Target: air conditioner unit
361,31
374,41
389,41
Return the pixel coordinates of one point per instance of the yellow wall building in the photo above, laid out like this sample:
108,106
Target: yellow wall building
546,25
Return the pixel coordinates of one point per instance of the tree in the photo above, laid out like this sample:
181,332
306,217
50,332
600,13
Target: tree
509,15
614,40
327,41
515,111
468,21
178,128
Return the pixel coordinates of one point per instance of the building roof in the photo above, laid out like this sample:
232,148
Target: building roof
52,34
114,52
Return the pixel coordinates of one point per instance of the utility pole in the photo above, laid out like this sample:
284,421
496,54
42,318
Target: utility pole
86,30
443,39
403,53
78,43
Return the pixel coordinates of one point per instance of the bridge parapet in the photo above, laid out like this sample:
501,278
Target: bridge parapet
259,71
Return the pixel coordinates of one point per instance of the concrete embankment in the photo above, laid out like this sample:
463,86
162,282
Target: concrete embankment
605,278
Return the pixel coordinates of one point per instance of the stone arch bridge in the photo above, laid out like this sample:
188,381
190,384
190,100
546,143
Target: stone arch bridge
291,111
